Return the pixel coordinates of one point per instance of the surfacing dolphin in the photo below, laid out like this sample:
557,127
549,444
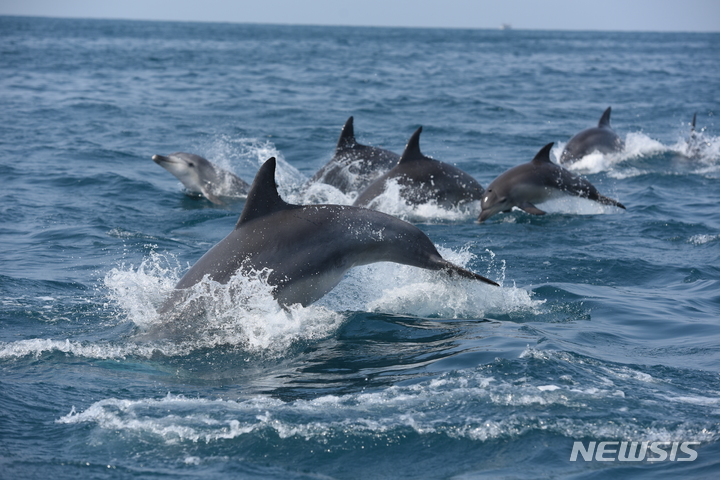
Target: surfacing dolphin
201,176
309,248
694,143
535,182
602,139
424,179
354,166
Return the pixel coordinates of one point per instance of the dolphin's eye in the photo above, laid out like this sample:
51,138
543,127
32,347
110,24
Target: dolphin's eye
191,164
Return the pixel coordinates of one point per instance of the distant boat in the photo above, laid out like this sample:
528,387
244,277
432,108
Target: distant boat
505,26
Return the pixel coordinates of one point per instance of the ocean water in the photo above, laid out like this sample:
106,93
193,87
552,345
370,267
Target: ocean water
606,327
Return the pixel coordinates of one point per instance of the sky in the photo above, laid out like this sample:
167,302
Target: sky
623,15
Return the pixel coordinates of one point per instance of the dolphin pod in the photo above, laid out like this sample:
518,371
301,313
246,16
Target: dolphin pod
308,248
354,166
424,179
535,182
305,250
201,176
602,139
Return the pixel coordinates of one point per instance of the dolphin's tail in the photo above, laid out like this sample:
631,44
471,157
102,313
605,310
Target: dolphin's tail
453,269
609,201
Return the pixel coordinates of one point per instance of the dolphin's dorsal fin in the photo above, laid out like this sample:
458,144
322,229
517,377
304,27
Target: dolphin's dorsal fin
263,198
412,149
543,156
692,126
347,136
605,119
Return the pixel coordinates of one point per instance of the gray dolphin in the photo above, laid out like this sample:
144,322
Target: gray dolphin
601,138
309,248
354,166
535,182
424,179
201,176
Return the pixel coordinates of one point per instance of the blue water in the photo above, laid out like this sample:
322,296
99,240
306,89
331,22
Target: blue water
606,327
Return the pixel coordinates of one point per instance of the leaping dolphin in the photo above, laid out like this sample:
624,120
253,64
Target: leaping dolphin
308,248
535,182
601,138
201,176
424,179
354,166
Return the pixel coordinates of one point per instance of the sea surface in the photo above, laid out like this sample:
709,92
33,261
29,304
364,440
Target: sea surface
606,327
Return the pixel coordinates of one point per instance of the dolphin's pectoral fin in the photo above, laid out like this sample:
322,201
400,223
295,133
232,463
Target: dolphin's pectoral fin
609,201
213,198
530,208
453,269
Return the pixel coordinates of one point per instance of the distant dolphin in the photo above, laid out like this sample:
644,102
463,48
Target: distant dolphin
535,182
353,165
601,139
694,144
203,177
424,179
308,249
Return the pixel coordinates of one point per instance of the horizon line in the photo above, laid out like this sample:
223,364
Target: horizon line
501,27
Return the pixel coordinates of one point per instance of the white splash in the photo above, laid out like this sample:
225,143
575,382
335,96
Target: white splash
241,313
703,239
636,145
392,202
246,155
702,154
702,146
321,193
136,291
400,289
700,157
570,204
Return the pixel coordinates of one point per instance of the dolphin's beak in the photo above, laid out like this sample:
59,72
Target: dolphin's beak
484,215
159,159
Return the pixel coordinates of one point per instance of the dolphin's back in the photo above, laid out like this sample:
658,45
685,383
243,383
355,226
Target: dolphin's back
601,138
308,250
354,166
424,179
